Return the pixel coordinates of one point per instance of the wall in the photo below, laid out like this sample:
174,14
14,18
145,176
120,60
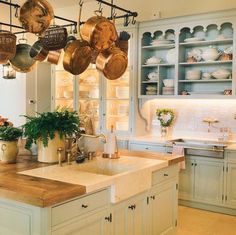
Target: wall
13,98
190,115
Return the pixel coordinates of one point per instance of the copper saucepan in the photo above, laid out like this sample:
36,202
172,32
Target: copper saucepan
22,62
36,16
112,63
77,57
37,52
7,46
54,57
99,32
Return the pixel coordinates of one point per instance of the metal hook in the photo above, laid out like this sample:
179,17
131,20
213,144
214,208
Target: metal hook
16,12
75,29
81,2
133,21
100,7
126,20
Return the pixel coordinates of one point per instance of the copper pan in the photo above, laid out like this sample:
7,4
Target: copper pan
99,32
77,57
112,63
36,16
7,46
37,52
54,57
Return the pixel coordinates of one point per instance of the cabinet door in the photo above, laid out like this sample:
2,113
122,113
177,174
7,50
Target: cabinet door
231,185
163,206
92,225
186,181
208,181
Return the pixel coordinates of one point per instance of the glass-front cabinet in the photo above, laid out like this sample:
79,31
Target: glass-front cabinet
105,102
190,56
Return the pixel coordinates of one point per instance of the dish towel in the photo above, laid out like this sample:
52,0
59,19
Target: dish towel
179,150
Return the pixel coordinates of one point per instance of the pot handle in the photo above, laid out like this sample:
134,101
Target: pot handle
3,147
22,40
80,13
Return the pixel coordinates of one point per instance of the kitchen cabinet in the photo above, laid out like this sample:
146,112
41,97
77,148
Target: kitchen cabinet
173,49
230,198
202,180
137,146
107,102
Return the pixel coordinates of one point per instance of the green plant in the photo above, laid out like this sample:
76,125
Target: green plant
165,116
44,126
9,133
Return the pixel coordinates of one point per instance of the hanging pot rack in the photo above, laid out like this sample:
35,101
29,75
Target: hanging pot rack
71,23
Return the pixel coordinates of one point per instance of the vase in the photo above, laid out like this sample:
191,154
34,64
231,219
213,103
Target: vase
49,154
164,131
8,151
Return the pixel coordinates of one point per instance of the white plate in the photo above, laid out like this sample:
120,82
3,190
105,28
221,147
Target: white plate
161,42
194,39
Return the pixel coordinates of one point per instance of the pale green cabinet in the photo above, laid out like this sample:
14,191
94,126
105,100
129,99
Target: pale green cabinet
202,180
231,185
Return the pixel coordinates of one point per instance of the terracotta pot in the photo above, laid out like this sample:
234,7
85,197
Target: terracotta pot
7,46
112,63
8,151
49,154
36,16
99,32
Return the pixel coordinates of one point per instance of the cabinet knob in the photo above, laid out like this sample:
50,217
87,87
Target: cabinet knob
195,164
146,148
109,218
132,207
192,164
153,197
84,206
166,174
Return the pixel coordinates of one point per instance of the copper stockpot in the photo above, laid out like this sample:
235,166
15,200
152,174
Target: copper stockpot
77,57
37,52
54,57
99,32
112,63
22,62
36,16
55,38
7,46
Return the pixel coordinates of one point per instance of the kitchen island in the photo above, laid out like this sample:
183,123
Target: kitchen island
40,206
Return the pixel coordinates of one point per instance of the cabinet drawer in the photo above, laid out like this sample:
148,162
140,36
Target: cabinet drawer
231,156
147,147
71,209
164,174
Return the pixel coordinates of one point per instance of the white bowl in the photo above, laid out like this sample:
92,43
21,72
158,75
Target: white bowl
221,74
193,75
168,82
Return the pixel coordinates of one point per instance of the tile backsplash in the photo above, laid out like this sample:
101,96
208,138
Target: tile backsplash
190,115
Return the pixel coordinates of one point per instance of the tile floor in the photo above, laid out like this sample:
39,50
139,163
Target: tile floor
200,222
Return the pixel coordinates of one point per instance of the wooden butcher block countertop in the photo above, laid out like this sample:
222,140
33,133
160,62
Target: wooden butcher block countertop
43,192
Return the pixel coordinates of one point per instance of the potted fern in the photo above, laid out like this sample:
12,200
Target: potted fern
8,143
48,130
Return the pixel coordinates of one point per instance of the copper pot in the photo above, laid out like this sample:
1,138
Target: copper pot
77,57
22,62
54,57
55,38
36,16
7,46
99,32
69,40
37,52
112,63
123,45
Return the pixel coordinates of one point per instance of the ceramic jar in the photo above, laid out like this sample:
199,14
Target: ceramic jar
210,54
8,151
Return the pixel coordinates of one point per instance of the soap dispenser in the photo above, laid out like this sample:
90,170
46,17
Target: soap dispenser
111,147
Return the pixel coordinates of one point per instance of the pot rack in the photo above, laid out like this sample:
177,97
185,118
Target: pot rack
128,16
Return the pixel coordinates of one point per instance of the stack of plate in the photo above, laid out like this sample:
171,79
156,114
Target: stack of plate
168,91
158,42
151,90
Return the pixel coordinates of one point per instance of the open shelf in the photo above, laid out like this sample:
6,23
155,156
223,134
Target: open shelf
156,47
206,80
206,63
206,43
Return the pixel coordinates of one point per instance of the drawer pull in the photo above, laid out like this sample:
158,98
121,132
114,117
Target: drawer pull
132,207
146,148
84,206
166,175
153,197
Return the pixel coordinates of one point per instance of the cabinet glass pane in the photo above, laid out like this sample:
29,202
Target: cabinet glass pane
88,96
64,91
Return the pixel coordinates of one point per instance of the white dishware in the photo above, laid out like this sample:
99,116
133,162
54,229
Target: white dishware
210,54
221,74
170,36
196,54
122,92
168,82
171,56
193,39
153,60
161,42
206,76
153,76
193,74
68,94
